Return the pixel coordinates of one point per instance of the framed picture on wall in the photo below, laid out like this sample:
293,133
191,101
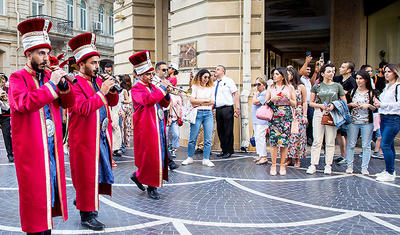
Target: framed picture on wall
188,55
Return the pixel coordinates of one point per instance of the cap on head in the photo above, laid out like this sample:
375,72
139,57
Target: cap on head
141,61
174,66
35,33
83,46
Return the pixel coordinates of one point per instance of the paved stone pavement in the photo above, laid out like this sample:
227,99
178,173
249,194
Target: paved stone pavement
235,196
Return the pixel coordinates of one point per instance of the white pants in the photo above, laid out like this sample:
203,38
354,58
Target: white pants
319,132
259,134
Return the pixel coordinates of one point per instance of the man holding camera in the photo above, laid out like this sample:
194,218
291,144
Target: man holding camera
90,131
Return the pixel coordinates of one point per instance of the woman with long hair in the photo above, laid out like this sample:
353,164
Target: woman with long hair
260,126
202,98
281,96
389,110
322,96
298,138
361,108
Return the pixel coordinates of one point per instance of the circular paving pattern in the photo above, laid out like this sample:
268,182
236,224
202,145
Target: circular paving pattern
235,196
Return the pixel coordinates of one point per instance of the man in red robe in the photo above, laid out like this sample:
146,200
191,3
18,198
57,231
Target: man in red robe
35,97
90,131
149,135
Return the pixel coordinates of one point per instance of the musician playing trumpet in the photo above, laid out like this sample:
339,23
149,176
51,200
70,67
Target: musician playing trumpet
35,97
149,127
90,131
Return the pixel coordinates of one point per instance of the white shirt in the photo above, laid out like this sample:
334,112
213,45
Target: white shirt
388,101
3,106
199,92
226,87
308,86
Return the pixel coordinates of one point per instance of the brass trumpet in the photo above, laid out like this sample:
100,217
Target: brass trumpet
174,90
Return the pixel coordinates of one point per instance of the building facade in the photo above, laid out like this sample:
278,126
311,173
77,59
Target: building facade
252,37
69,18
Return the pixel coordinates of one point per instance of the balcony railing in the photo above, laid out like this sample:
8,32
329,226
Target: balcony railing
61,26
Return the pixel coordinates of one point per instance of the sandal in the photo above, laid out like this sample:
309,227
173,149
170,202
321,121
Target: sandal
257,159
297,163
289,162
263,160
273,169
282,169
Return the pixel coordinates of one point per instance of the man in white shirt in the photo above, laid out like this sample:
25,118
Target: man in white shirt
227,106
5,116
305,71
161,75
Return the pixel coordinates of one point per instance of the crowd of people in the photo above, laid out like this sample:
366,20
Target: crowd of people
93,115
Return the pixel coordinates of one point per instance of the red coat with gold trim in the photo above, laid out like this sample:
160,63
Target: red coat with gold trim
84,142
29,140
146,134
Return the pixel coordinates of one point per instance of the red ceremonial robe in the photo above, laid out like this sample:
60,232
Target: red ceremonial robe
31,150
84,141
146,134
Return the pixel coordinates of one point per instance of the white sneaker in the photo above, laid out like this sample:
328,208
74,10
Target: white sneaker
381,173
385,177
207,162
328,170
349,170
311,170
365,171
187,161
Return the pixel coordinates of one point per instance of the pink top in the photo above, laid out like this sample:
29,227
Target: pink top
275,91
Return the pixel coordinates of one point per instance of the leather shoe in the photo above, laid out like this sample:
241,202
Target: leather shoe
220,154
153,193
227,155
93,224
10,158
138,184
173,165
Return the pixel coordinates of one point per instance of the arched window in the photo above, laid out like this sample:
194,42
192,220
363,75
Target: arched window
101,17
111,22
70,11
83,15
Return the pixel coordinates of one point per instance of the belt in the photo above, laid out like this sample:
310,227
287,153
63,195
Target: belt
224,106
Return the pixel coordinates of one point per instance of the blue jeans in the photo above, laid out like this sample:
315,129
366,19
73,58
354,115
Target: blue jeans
205,118
122,135
390,127
174,129
366,136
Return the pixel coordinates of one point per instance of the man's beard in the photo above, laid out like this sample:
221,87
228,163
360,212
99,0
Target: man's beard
35,66
89,72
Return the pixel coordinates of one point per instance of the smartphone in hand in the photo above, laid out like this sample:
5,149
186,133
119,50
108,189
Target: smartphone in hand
308,53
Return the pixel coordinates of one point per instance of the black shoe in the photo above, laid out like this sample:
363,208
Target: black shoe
93,224
198,151
116,153
220,154
227,155
173,165
10,158
94,213
153,193
135,179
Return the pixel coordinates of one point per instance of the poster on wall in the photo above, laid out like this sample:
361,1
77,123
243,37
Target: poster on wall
188,55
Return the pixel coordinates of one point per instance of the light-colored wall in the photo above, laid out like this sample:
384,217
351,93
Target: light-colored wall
216,26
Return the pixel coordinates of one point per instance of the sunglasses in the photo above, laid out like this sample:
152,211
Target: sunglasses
164,70
257,84
206,76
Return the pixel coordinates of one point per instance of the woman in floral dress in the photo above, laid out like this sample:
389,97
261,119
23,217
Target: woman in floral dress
298,140
282,96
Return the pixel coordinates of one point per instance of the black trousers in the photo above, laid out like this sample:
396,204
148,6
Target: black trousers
224,117
310,115
6,129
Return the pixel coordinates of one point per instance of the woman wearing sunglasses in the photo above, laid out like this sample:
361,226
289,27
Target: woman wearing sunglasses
260,126
202,99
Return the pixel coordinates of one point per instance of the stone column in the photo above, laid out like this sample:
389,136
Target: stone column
348,32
